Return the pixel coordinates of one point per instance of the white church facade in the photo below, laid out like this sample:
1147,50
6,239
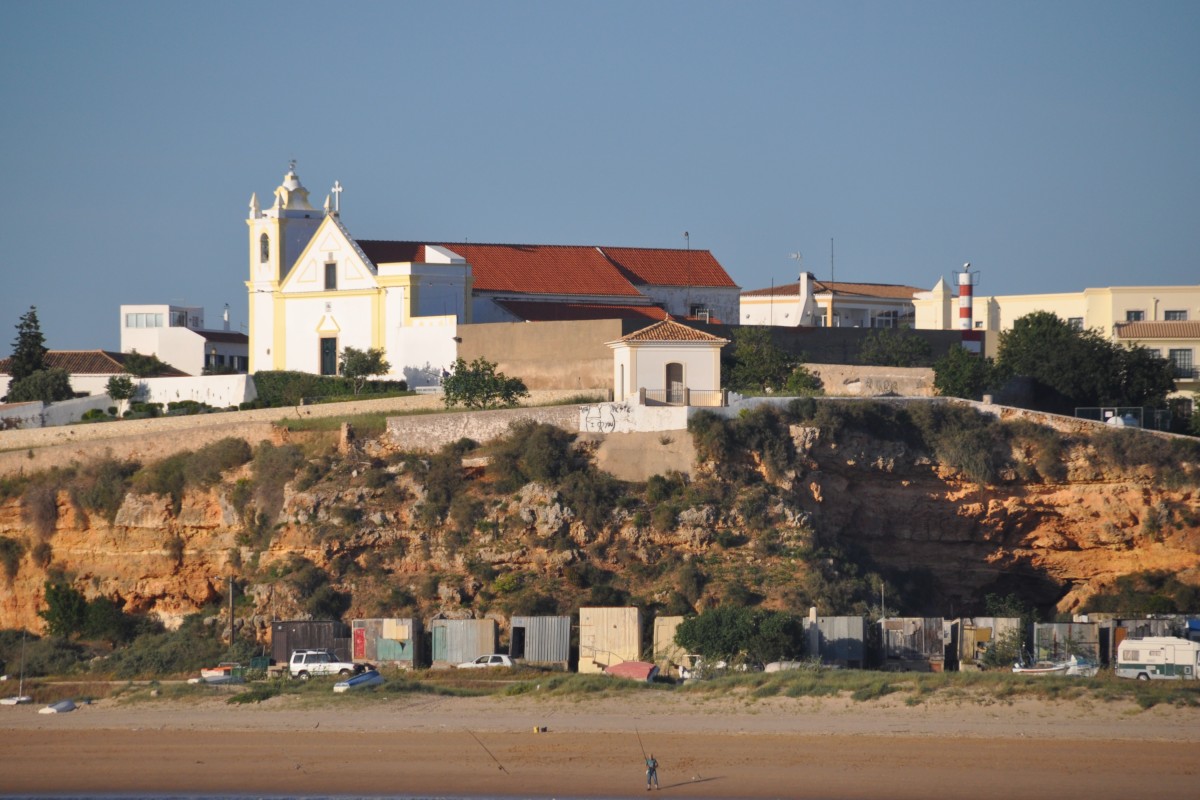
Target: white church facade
314,289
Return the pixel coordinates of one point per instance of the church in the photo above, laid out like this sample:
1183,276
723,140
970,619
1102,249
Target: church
314,289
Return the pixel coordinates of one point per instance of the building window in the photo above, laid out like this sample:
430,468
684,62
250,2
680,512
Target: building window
886,319
143,320
1075,323
264,248
1175,316
1135,316
330,277
1181,361
178,319
1154,351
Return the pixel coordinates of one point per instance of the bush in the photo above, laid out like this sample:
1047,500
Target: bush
11,551
479,385
290,388
39,507
101,486
889,348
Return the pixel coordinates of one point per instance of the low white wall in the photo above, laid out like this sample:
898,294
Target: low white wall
629,417
218,391
40,415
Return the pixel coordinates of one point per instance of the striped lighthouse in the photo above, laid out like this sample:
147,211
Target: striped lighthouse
966,300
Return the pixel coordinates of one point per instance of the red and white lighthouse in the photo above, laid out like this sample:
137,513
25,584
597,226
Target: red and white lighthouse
972,339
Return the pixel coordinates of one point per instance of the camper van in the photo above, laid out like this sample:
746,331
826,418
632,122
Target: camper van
1158,658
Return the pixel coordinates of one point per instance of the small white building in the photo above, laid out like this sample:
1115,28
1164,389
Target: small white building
176,335
669,363
820,304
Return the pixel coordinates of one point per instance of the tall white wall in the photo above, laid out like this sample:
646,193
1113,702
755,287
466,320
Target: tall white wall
424,349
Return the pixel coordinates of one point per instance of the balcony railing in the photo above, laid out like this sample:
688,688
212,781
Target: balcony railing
1187,373
706,398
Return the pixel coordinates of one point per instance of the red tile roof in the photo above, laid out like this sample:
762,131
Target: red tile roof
1172,329
670,331
839,288
662,267
540,311
88,362
566,269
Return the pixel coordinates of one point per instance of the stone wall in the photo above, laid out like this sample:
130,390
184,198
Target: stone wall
430,432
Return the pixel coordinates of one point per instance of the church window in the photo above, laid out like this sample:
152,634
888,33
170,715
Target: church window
330,277
264,248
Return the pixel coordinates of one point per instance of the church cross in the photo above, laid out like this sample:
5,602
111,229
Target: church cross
337,197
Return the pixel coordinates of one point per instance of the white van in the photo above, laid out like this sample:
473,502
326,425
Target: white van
1158,658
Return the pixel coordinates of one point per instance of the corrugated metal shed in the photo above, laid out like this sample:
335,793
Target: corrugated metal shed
977,634
667,654
1115,631
309,634
608,636
459,640
914,642
837,640
541,640
1056,641
386,641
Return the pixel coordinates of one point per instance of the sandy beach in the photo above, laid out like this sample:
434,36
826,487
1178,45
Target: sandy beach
777,747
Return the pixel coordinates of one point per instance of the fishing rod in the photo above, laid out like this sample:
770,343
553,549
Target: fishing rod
639,738
489,752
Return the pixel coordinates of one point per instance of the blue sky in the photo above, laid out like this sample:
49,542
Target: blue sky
1053,145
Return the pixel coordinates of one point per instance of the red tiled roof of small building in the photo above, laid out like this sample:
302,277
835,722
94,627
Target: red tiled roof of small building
1163,329
670,331
88,362
885,290
537,311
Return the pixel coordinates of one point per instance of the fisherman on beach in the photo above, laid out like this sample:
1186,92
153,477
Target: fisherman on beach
651,772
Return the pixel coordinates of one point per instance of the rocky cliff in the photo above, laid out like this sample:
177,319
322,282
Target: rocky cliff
371,532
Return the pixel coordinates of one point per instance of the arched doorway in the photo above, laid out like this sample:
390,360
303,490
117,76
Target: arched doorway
675,392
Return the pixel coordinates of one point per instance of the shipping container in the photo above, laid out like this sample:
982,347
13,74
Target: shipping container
541,641
608,636
914,643
837,640
456,641
1058,641
309,634
667,655
390,642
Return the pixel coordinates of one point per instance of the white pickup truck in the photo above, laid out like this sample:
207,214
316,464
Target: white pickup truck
306,663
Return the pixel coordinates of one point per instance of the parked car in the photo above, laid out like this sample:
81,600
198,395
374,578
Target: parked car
306,663
493,660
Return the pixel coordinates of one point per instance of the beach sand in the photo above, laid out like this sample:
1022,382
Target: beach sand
448,746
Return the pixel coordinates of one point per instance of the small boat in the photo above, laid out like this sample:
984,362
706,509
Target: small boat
21,698
634,670
1073,666
361,681
223,670
61,707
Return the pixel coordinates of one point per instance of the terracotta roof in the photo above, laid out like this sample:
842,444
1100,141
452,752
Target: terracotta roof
543,311
883,290
1174,329
662,267
670,331
566,269
88,362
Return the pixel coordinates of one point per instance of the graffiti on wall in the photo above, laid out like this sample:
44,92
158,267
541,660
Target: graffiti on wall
604,417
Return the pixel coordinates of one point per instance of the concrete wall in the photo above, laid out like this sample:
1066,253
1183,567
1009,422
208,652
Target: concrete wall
549,355
848,380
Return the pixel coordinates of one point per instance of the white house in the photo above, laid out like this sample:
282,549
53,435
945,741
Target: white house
314,289
813,303
668,363
177,336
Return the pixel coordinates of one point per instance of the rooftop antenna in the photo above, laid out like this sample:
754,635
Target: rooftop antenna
831,281
687,299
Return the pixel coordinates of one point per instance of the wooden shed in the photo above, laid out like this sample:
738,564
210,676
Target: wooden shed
608,636
667,655
914,643
1057,641
309,634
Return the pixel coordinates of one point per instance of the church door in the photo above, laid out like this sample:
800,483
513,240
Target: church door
329,356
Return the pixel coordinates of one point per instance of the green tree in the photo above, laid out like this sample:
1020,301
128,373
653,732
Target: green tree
29,349
738,634
121,388
754,363
145,366
961,373
885,347
47,385
66,609
479,385
359,365
1071,367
